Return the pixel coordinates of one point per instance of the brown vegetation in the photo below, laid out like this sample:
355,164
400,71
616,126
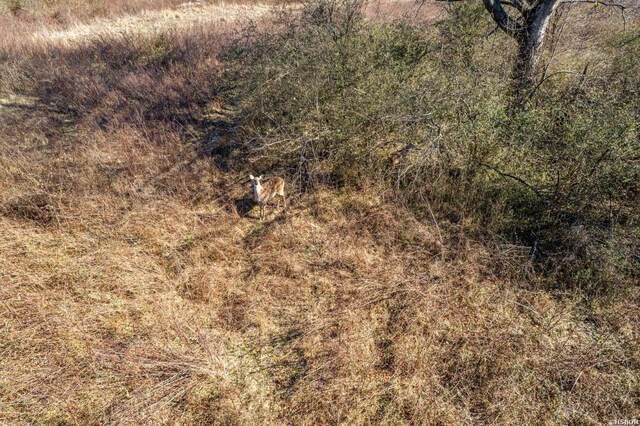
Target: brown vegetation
133,292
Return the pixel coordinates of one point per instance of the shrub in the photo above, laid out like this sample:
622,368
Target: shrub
421,108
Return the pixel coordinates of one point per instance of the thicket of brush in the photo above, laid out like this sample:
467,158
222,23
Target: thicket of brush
445,259
425,111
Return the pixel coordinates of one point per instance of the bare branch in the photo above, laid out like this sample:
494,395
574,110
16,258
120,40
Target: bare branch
513,3
547,77
632,39
502,18
518,5
595,2
600,3
520,180
493,30
533,4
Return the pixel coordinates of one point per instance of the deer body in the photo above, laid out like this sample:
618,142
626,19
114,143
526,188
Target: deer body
265,193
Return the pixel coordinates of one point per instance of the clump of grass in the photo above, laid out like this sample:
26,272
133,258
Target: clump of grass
38,207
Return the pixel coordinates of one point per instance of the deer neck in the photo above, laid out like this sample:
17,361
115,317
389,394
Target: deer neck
258,191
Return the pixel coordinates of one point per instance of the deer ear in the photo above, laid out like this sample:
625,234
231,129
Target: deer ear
261,176
251,177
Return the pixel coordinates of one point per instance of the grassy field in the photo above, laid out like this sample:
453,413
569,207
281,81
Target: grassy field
414,278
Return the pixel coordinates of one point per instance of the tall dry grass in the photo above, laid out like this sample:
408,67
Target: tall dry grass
133,291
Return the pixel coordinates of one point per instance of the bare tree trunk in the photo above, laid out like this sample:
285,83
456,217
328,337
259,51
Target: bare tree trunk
530,43
523,70
529,31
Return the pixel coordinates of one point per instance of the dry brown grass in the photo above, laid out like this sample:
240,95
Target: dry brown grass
74,21
132,292
73,11
405,10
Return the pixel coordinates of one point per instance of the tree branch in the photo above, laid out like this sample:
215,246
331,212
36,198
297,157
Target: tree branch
518,5
520,180
596,2
547,77
601,3
513,3
502,18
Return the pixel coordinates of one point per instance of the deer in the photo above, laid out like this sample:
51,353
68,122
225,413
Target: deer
263,194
